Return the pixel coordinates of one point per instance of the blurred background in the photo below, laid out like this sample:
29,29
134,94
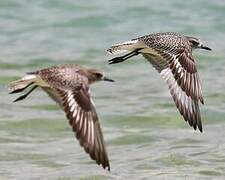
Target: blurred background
146,136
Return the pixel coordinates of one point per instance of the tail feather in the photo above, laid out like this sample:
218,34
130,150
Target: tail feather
21,84
124,47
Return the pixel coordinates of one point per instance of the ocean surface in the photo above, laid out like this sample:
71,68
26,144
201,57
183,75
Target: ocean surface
146,137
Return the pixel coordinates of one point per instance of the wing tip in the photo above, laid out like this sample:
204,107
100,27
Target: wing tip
196,126
200,128
106,166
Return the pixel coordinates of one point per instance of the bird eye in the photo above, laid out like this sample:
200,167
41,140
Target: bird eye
195,43
98,75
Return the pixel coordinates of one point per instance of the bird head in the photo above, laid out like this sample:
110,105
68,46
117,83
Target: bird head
196,43
96,75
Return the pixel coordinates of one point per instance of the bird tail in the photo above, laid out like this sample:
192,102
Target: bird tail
21,84
124,47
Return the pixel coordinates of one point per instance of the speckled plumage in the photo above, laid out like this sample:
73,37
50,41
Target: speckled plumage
68,85
166,41
171,55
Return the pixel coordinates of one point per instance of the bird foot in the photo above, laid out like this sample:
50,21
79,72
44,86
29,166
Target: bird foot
116,60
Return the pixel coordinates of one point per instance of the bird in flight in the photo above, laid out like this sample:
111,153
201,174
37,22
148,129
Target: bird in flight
171,55
68,85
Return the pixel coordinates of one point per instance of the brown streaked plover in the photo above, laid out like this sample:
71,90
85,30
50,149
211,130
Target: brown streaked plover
171,55
69,85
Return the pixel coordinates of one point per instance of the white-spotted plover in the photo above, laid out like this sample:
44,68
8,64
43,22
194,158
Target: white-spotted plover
68,85
171,55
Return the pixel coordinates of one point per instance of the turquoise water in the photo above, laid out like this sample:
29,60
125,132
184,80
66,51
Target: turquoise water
145,135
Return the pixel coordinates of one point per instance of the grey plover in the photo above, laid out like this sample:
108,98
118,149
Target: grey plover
68,85
171,55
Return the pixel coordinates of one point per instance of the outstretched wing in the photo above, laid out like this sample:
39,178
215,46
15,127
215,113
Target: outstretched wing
80,111
179,71
171,55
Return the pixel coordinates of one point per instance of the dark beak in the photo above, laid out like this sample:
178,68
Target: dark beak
107,79
206,48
